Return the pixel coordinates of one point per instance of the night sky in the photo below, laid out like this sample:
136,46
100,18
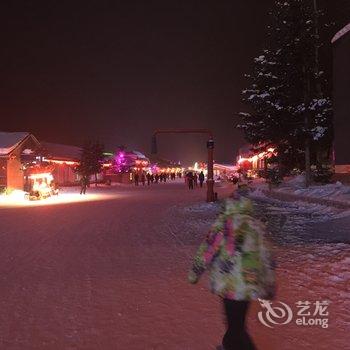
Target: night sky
115,71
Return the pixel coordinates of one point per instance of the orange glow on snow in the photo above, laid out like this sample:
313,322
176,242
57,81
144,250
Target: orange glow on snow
17,199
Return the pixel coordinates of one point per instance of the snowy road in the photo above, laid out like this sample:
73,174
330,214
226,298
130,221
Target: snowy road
111,274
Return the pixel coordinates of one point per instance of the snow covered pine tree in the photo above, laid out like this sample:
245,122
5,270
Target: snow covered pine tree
288,95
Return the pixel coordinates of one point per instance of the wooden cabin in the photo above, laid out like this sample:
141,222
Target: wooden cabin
16,149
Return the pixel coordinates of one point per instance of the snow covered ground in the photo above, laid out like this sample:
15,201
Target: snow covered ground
66,196
295,186
112,274
312,247
336,191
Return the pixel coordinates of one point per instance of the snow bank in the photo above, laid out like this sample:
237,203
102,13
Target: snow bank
322,194
334,192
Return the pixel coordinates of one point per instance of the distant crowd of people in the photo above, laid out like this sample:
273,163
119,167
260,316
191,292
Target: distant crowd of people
193,179
150,178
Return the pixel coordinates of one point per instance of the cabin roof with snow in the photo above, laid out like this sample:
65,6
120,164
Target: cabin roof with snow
139,155
245,150
9,141
341,33
62,152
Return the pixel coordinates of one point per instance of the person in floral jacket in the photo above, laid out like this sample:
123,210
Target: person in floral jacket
241,267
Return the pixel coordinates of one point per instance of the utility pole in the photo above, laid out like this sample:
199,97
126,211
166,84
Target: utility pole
317,59
307,93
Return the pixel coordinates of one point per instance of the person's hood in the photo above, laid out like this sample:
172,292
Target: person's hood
241,206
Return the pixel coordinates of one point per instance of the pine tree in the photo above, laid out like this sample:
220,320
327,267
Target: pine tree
91,159
264,97
268,125
287,95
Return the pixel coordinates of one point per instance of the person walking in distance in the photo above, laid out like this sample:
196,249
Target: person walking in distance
148,176
84,183
195,179
143,179
201,179
189,178
241,268
136,179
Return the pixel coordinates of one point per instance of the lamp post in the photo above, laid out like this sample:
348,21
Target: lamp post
210,179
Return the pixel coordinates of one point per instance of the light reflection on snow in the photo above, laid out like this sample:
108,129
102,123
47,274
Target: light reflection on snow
17,199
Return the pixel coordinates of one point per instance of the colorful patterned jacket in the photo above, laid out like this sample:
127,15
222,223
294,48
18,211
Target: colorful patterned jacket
240,264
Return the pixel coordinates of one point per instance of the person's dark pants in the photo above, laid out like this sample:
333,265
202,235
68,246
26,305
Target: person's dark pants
236,336
201,184
83,190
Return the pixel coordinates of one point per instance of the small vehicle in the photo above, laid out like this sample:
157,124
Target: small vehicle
42,188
